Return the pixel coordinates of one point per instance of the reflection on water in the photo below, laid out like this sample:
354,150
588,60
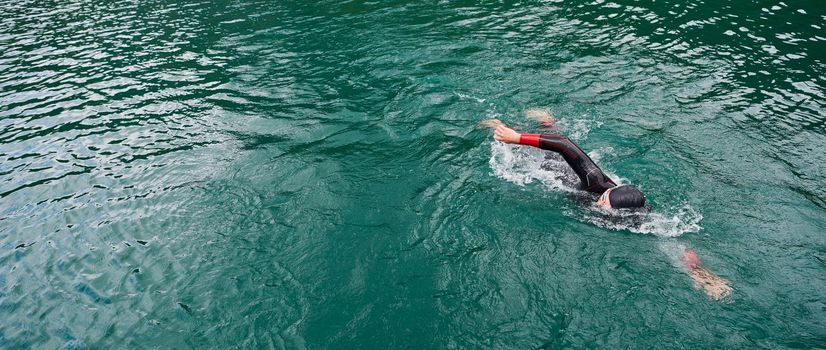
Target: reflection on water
307,175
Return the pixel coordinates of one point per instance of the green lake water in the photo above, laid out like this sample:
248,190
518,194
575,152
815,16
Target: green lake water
308,175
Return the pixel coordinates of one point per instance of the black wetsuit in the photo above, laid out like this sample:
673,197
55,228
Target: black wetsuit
592,177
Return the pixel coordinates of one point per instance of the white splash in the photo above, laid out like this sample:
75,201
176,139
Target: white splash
671,222
523,165
577,129
674,251
469,97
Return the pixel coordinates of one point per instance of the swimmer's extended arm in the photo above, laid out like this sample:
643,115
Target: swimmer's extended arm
593,179
559,144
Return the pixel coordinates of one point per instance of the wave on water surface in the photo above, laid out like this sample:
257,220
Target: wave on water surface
525,165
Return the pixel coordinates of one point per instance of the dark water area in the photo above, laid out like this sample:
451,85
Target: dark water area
308,175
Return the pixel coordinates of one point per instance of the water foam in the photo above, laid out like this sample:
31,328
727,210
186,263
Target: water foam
469,97
524,165
669,222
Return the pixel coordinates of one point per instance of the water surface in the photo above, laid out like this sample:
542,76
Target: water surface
307,174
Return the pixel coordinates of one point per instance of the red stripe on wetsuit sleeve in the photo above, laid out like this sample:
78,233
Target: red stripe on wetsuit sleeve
529,139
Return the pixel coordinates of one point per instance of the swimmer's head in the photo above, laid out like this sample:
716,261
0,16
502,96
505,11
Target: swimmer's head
622,197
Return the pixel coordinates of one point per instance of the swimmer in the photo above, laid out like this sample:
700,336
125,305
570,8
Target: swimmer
610,194
591,176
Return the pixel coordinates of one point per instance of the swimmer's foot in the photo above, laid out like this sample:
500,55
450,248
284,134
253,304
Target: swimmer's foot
541,116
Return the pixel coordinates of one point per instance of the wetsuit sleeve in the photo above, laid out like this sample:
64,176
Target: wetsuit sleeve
529,139
555,143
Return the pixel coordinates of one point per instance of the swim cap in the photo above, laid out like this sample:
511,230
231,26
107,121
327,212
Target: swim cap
626,197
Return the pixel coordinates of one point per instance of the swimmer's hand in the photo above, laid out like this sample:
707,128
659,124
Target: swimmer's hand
505,134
